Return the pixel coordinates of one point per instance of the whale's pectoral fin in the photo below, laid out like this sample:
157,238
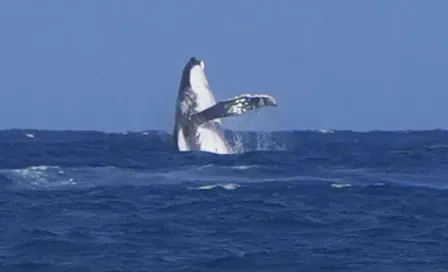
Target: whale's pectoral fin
234,106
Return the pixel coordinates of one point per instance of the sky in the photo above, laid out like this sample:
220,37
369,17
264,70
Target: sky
115,65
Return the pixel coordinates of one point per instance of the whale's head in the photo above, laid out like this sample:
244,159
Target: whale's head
193,75
194,80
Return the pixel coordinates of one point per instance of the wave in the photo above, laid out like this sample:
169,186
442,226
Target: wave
208,177
346,159
30,134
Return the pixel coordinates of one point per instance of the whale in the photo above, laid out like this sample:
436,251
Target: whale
198,116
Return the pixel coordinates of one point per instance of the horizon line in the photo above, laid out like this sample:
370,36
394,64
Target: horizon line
226,129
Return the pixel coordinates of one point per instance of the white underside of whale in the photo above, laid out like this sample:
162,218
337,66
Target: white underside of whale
209,141
211,136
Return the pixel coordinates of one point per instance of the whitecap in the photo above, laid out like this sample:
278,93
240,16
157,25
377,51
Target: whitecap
228,186
340,185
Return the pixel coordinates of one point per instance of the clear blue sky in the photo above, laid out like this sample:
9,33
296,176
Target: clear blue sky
115,65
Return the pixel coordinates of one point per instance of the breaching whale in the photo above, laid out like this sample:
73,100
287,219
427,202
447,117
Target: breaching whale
197,125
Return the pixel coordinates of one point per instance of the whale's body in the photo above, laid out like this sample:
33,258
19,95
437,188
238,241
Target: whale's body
197,125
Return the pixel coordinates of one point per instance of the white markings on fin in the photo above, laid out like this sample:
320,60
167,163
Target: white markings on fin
266,96
242,105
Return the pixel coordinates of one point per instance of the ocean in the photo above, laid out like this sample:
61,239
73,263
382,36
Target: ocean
288,201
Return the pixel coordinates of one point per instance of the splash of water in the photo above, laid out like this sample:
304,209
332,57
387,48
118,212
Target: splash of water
238,143
264,140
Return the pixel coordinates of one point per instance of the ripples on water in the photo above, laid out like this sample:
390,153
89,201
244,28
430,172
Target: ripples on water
293,201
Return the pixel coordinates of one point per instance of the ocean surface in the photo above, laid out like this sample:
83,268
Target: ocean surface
288,201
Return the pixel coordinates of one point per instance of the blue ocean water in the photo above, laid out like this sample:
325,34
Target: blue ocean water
290,201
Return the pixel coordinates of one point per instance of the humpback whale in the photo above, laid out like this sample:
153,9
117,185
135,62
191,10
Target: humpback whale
198,125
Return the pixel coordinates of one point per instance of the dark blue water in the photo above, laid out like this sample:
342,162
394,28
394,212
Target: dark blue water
293,201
